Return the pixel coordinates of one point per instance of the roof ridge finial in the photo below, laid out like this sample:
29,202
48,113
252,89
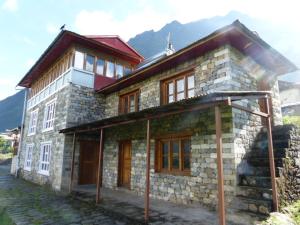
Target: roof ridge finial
170,49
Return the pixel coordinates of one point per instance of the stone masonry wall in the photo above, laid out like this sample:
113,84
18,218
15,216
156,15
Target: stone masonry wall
74,105
201,185
54,178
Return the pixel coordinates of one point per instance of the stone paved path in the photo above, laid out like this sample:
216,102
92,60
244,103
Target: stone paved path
27,203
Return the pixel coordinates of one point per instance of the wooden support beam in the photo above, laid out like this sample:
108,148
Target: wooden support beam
221,199
237,106
72,162
271,158
100,168
147,188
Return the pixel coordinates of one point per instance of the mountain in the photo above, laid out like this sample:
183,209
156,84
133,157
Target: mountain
280,36
11,110
152,42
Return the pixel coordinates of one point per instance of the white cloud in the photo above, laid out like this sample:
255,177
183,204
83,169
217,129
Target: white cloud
10,5
52,29
103,22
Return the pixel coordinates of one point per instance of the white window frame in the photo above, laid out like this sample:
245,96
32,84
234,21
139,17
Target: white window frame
47,121
28,160
33,122
42,162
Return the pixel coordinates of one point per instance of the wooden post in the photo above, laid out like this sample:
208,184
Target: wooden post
100,166
72,162
271,157
147,188
221,201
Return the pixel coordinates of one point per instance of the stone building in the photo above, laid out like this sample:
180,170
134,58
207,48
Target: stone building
87,90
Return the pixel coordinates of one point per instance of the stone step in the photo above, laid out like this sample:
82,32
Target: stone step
259,206
263,162
254,181
264,153
254,192
277,143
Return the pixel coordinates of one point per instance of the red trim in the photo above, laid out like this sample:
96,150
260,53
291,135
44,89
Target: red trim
62,42
102,81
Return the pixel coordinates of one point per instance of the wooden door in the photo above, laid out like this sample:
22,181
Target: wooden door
125,164
89,156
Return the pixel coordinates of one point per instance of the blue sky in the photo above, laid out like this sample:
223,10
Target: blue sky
29,26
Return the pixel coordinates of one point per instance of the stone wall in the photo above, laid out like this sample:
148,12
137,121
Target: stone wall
54,178
201,185
74,105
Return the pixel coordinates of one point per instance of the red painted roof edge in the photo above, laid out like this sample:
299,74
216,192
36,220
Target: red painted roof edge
58,37
235,25
118,37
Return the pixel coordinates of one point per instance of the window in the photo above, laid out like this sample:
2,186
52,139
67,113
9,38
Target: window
89,63
127,70
79,59
100,67
49,115
110,69
129,102
119,71
33,122
28,157
178,88
45,158
173,155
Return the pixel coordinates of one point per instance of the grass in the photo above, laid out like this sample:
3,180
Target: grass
4,218
4,156
292,120
291,212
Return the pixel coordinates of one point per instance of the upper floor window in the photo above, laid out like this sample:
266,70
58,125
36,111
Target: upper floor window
28,157
119,71
178,88
173,155
79,60
89,63
49,115
44,164
129,102
100,67
110,69
33,122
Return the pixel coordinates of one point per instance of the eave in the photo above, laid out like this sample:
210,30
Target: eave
235,34
60,44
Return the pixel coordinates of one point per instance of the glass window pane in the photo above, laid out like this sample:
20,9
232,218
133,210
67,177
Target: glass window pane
110,69
171,98
132,103
186,145
165,154
89,64
180,85
127,70
175,152
170,88
79,58
191,93
191,82
180,96
119,71
100,66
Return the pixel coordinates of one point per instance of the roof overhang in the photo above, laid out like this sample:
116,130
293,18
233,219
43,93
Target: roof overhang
61,43
203,101
235,34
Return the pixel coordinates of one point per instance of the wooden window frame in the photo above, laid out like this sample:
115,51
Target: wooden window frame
159,155
28,161
33,122
174,79
45,163
136,94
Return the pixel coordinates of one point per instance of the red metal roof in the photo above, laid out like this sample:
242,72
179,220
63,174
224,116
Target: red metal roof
63,41
235,34
116,42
